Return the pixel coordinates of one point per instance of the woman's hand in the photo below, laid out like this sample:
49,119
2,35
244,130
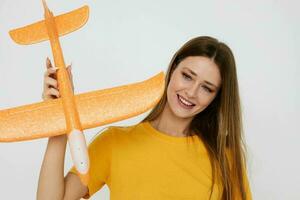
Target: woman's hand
51,87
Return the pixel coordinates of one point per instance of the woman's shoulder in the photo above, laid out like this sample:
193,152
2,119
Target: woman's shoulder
124,128
117,131
115,136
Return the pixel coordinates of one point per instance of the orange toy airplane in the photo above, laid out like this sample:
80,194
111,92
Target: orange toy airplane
71,113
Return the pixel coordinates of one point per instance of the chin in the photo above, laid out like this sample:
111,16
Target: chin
178,112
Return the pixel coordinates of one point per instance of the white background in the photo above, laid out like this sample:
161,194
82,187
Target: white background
129,41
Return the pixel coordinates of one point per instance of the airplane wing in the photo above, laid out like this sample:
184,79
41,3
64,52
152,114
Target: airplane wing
37,32
96,108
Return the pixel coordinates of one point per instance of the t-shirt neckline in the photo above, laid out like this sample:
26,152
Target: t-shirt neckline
166,137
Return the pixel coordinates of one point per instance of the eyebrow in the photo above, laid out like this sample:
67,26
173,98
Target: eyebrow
192,72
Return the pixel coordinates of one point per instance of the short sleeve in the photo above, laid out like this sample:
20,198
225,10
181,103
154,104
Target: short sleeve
100,160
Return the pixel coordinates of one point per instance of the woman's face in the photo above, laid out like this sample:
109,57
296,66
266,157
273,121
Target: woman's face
193,85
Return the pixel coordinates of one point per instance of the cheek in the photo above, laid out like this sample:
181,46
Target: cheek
176,84
172,90
205,101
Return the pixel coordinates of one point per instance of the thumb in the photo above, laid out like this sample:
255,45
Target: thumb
48,63
69,69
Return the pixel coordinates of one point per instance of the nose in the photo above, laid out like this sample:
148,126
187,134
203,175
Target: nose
191,91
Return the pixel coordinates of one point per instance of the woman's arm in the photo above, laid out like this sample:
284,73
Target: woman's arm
52,184
51,180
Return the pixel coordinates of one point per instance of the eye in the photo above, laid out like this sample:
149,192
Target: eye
186,76
207,89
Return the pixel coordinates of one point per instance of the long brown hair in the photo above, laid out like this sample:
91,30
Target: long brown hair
219,126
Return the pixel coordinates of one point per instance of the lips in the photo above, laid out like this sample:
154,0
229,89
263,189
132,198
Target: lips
185,103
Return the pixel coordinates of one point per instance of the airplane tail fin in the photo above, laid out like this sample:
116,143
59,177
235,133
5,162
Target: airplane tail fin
37,32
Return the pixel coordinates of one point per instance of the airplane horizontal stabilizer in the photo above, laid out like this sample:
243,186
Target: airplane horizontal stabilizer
37,32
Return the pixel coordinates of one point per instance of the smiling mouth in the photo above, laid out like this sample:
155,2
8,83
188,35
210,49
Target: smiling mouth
184,102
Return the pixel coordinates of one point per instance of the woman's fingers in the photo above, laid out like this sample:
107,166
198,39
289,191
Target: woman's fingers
50,72
69,69
48,63
50,92
51,87
51,82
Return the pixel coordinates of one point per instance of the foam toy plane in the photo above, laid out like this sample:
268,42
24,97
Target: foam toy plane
71,114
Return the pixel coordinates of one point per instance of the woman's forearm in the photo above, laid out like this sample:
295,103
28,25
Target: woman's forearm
51,179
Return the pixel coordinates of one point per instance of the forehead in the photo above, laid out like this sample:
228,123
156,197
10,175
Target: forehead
204,68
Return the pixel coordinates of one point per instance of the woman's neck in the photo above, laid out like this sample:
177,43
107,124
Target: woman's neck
170,124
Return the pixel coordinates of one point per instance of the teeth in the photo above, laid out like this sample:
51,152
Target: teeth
184,101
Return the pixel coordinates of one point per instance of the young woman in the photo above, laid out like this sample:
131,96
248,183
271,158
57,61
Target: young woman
190,146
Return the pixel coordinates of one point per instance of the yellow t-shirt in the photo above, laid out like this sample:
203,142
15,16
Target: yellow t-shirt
140,163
